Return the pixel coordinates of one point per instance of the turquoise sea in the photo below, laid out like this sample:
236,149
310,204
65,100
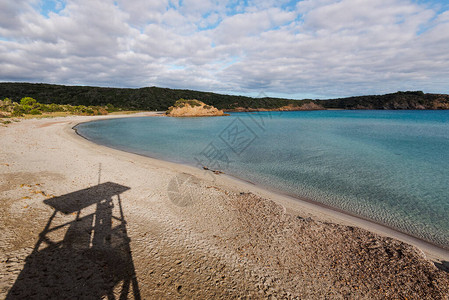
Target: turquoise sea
391,167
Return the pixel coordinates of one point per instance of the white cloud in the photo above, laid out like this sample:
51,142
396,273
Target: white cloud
322,47
141,12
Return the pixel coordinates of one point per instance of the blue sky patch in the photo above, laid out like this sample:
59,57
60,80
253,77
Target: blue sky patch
48,6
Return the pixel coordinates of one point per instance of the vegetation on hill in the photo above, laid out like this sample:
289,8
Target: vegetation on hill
154,98
183,102
29,106
399,100
149,98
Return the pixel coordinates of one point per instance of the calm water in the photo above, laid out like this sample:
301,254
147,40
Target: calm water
388,166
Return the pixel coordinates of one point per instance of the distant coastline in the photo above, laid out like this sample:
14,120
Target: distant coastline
160,99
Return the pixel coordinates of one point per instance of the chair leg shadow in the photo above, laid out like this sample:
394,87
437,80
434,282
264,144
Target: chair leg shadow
443,266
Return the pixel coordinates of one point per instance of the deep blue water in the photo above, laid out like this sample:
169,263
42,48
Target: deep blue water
388,166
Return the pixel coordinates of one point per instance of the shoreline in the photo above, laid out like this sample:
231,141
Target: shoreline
83,220
293,203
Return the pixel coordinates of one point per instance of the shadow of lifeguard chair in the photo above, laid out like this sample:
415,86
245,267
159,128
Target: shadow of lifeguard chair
93,260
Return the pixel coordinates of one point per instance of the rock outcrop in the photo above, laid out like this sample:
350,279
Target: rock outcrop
193,108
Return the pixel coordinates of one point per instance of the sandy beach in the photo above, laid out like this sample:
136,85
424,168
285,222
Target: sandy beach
82,220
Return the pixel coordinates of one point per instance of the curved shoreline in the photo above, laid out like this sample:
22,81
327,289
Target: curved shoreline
291,203
83,220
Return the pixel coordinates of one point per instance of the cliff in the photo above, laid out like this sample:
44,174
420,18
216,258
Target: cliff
193,108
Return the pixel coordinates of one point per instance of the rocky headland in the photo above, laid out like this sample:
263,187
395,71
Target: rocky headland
193,108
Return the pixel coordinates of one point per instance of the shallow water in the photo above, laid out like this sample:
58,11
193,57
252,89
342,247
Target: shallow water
388,166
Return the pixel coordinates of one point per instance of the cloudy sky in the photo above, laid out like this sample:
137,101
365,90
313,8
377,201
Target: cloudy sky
295,49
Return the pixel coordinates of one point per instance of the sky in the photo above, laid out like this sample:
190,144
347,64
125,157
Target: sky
292,49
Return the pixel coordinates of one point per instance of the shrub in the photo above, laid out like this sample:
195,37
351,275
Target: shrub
28,101
4,114
44,108
51,107
110,108
35,111
101,111
6,102
29,105
183,102
17,111
194,103
77,109
26,108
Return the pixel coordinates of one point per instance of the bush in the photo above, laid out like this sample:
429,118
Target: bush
193,103
78,109
4,115
26,108
110,108
51,107
6,102
28,101
183,102
29,105
35,112
17,112
55,107
101,111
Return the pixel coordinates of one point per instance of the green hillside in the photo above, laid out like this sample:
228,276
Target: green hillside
154,98
149,98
